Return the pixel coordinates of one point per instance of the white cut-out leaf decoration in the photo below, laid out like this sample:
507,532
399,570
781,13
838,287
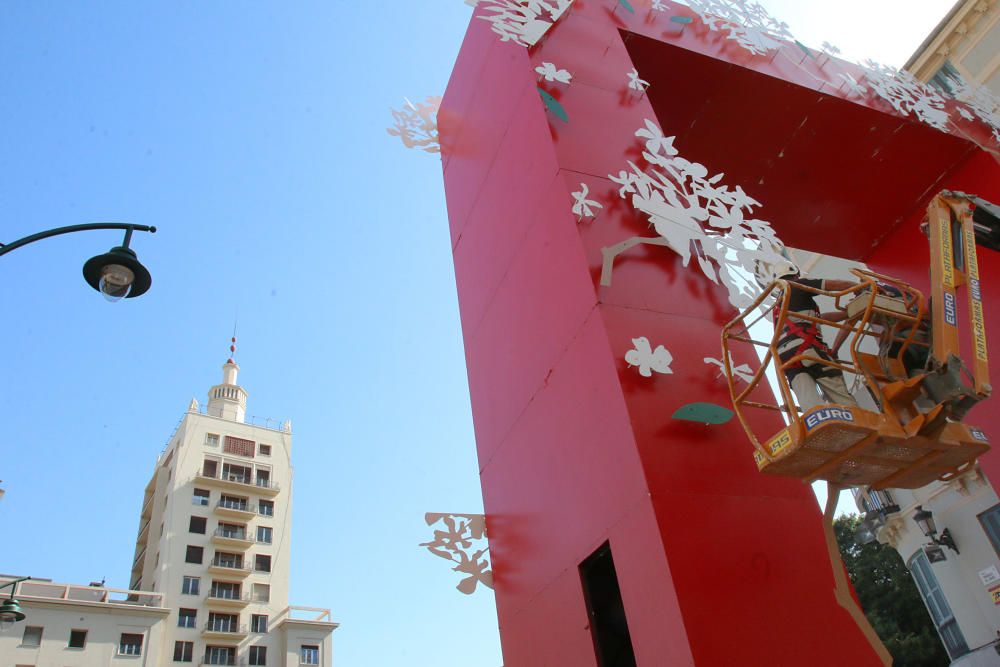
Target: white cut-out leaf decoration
416,125
741,372
463,542
746,23
691,211
659,6
648,359
635,83
980,100
906,94
523,22
550,72
853,87
830,49
583,207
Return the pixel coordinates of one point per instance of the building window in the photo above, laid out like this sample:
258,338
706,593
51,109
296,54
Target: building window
210,468
258,655
990,520
187,618
77,638
937,605
194,554
211,439
190,585
223,622
265,507
225,590
130,644
233,531
261,593
946,79
233,503
264,450
239,446
223,559
264,478
200,497
264,534
183,651
32,636
262,563
258,623
237,473
197,524
309,655
220,655
608,625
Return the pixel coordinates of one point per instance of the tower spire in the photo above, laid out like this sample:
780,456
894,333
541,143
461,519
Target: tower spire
228,400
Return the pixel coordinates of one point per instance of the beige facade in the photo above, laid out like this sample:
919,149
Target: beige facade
209,580
967,42
215,538
83,626
957,588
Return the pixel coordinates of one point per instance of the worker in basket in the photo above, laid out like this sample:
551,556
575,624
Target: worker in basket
802,337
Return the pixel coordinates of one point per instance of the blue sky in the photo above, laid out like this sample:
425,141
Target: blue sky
253,136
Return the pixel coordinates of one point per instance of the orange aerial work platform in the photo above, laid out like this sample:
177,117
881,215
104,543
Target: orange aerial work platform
903,351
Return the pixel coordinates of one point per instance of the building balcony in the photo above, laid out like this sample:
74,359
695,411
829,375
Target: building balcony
243,483
224,632
217,567
236,510
227,600
233,539
223,661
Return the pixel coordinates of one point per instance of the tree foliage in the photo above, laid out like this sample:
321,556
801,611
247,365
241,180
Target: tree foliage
890,598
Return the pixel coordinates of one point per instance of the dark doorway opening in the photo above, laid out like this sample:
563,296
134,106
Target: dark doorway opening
608,624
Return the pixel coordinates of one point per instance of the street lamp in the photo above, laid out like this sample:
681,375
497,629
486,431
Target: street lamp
925,521
10,609
117,274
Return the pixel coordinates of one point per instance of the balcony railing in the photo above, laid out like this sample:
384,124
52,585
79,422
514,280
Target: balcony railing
228,628
227,596
234,534
230,660
236,478
240,567
237,507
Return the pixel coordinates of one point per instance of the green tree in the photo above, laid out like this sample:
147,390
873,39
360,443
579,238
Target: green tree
889,598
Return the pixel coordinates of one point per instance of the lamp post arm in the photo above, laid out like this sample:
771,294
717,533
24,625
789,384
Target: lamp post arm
13,582
129,228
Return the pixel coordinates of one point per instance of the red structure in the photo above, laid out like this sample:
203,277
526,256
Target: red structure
716,563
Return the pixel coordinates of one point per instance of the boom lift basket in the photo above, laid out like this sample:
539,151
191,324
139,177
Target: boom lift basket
915,434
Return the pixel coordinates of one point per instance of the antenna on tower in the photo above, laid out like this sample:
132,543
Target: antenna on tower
232,345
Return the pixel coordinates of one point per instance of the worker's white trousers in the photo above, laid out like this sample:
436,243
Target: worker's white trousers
807,390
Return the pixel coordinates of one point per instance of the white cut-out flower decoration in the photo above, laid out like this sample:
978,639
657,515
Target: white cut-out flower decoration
830,49
699,215
659,6
742,372
853,87
416,125
980,100
635,83
747,23
583,207
550,72
965,113
906,94
523,22
461,534
648,359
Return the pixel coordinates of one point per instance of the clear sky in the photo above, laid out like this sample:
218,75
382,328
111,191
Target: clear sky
253,136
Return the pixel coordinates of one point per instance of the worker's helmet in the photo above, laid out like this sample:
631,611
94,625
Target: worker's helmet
766,272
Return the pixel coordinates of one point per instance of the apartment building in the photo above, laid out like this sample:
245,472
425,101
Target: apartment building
209,580
965,44
215,537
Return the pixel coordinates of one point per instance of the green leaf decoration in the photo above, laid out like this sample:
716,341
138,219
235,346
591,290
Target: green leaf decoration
806,49
552,104
704,413
626,5
681,19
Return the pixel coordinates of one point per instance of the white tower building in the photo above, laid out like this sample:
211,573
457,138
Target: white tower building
214,540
